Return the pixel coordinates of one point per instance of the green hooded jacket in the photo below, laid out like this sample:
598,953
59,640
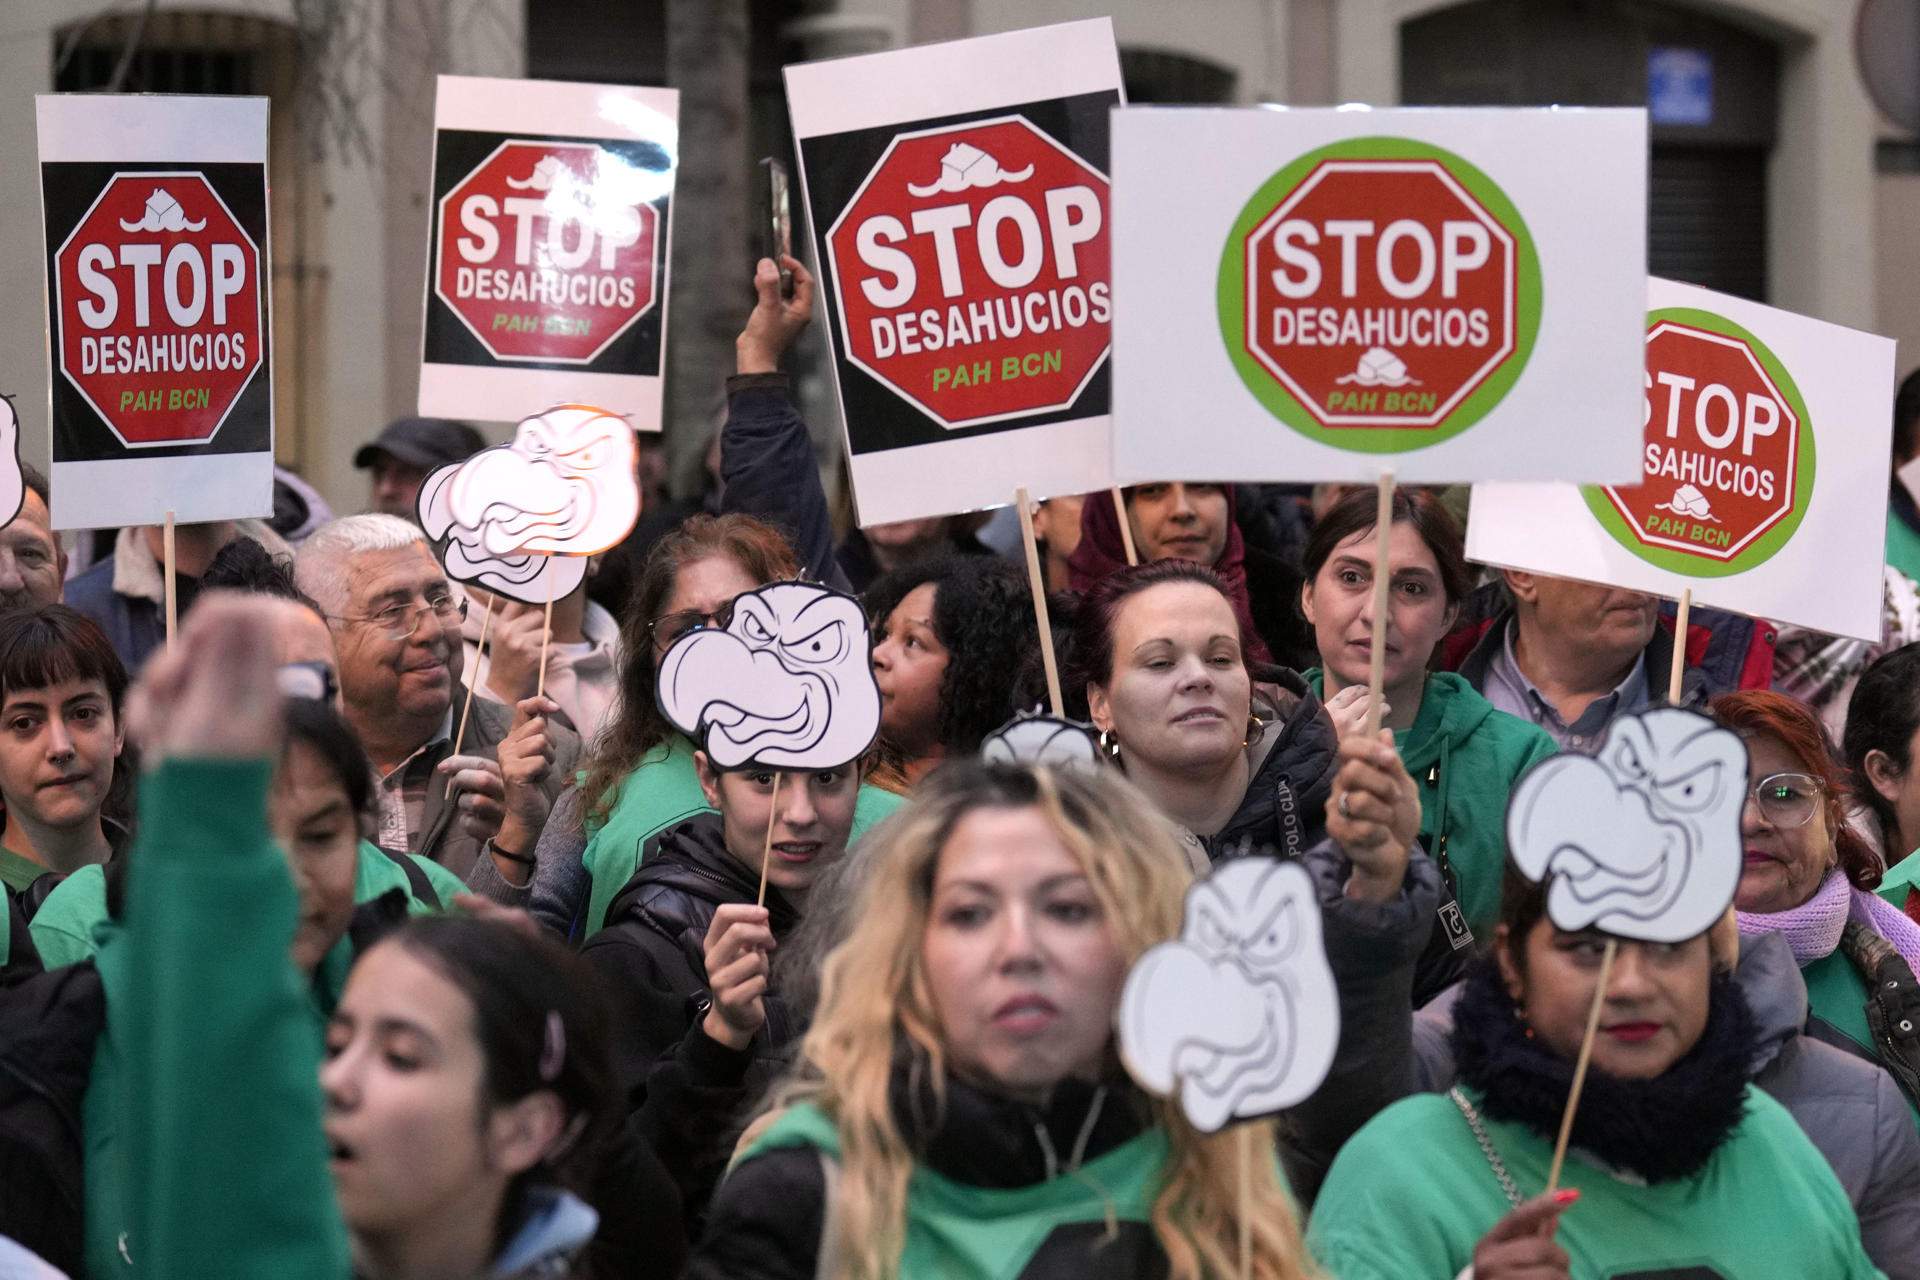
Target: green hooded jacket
1466,757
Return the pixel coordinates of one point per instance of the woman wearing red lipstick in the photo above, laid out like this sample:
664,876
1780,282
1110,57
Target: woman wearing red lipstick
1809,876
1465,754
959,1110
1678,1166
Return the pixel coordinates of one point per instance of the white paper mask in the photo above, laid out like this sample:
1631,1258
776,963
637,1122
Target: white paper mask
529,578
1239,1016
13,485
1041,739
788,684
564,485
1641,839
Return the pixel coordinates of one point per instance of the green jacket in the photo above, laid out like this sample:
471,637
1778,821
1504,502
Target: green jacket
960,1232
1900,880
65,928
1412,1193
663,791
208,1180
1466,757
111,1168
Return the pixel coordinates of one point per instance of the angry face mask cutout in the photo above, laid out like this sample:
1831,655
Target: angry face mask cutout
565,485
1040,739
788,684
522,576
1239,1016
1641,839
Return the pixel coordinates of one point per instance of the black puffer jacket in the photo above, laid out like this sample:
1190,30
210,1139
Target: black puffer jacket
685,1090
1285,809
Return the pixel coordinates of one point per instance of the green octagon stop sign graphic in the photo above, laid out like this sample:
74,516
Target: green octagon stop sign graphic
1379,295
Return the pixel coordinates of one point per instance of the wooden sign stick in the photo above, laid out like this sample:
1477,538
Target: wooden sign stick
1126,529
546,638
766,852
1679,646
172,588
486,624
1580,1065
1039,585
1382,600
1249,1152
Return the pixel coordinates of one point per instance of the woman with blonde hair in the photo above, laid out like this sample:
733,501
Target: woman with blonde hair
959,1110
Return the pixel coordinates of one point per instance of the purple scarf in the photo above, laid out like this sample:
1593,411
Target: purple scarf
1814,927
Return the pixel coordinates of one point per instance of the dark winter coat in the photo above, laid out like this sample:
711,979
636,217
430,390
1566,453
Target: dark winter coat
685,1090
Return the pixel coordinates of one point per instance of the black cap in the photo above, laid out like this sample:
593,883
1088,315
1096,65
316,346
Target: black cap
425,443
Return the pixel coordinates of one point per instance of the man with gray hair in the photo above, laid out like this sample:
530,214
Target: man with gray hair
396,625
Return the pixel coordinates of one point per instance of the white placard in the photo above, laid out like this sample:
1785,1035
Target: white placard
1318,294
959,199
548,243
159,307
1766,445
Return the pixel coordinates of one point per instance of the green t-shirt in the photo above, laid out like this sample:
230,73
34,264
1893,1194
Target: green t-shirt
960,1232
17,872
64,927
1412,1193
1900,880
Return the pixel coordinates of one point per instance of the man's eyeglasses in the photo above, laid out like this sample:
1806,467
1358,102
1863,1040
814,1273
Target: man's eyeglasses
670,627
400,621
1788,799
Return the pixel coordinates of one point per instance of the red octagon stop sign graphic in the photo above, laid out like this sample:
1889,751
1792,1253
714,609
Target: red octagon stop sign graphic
158,295
1728,453
547,251
972,272
1379,294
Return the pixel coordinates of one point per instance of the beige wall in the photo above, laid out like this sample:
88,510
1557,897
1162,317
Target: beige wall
346,357
1897,239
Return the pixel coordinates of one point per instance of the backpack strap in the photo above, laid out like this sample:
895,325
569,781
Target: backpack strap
418,882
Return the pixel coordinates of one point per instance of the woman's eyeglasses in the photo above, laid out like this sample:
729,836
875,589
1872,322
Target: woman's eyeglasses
670,627
1788,799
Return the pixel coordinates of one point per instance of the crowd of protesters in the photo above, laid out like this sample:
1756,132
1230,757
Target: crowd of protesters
311,971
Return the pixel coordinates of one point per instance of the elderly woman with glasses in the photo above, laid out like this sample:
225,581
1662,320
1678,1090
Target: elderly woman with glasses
1809,876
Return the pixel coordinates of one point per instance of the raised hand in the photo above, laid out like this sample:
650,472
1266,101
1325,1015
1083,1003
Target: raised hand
215,693
738,946
775,321
1373,814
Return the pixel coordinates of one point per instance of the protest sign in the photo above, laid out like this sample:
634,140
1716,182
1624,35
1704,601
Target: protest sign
161,378
1765,439
548,248
959,200
1322,294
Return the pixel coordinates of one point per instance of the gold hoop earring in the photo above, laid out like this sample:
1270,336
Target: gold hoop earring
1254,730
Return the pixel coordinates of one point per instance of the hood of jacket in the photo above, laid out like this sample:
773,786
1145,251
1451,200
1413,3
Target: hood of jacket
688,874
1284,810
557,1225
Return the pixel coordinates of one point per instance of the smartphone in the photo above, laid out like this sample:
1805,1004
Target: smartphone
777,229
